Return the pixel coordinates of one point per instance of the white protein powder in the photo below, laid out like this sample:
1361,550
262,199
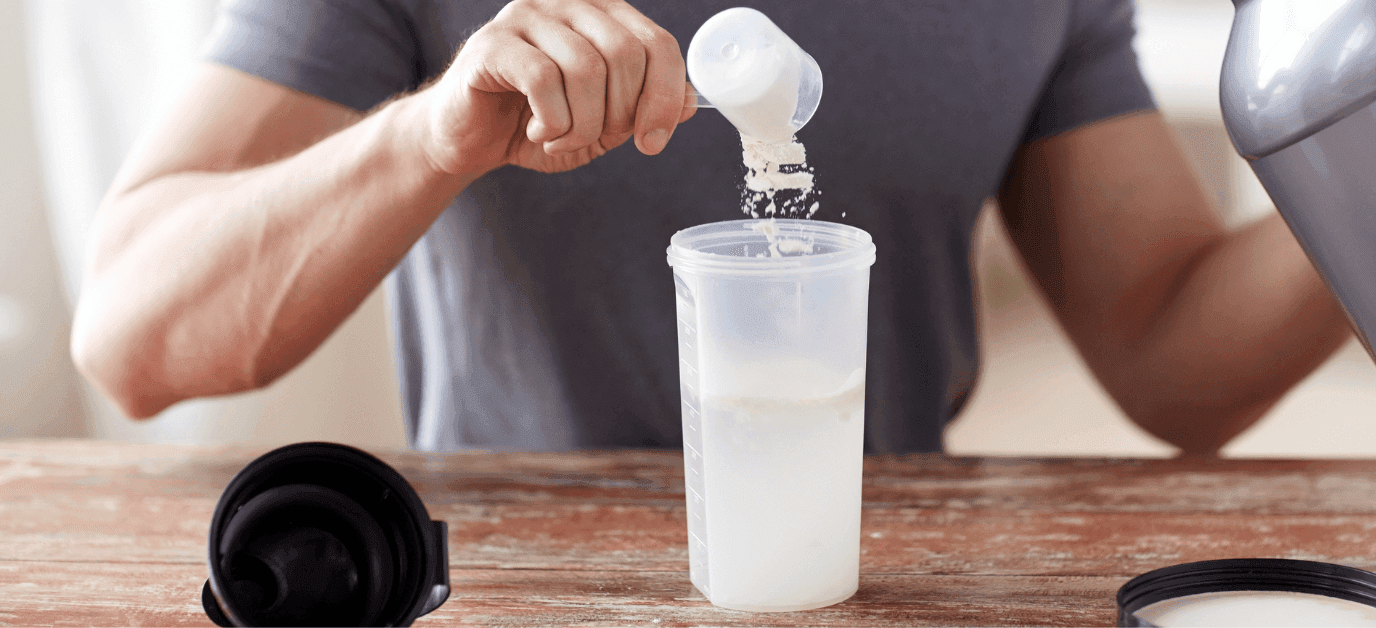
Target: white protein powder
778,245
772,167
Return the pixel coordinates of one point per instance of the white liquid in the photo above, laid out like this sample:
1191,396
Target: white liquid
782,475
1257,609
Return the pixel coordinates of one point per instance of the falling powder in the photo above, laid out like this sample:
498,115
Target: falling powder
778,181
778,245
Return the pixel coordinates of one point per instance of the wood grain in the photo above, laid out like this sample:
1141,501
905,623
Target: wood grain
151,594
115,534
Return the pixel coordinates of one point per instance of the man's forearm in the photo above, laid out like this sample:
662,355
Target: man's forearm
1251,319
204,283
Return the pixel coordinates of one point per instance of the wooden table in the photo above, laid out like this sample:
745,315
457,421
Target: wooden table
114,534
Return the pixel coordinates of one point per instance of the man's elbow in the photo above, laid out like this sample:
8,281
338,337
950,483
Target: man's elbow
1196,429
115,373
135,369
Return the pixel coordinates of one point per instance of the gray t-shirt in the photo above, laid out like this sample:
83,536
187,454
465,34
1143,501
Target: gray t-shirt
538,311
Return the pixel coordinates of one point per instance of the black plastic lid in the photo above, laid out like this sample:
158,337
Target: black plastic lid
1243,574
323,534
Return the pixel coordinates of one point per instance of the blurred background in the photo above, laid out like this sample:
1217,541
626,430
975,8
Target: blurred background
79,78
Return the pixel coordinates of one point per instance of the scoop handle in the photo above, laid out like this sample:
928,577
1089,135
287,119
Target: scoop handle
695,99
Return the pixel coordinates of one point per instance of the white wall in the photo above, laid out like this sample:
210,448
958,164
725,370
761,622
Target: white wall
39,395
101,69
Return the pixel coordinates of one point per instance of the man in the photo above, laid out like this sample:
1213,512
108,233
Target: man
532,301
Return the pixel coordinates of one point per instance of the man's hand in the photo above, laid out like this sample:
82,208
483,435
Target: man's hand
252,218
551,85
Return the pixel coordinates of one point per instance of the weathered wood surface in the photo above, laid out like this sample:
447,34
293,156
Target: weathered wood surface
134,594
114,534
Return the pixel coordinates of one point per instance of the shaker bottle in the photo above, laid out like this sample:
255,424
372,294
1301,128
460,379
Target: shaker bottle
772,325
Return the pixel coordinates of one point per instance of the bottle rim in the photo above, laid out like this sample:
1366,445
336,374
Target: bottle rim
697,249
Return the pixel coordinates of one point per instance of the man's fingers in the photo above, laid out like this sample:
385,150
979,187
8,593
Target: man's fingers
625,61
511,64
660,105
593,72
584,76
688,111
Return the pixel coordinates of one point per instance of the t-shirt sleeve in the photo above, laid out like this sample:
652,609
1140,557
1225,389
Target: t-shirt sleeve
1097,76
357,53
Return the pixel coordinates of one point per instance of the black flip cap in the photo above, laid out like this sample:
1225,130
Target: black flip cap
320,534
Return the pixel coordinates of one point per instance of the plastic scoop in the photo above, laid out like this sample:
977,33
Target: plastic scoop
742,65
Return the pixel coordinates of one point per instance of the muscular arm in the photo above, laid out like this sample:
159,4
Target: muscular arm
217,266
252,220
1195,331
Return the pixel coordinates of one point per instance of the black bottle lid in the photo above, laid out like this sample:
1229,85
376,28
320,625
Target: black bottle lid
1243,574
320,534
